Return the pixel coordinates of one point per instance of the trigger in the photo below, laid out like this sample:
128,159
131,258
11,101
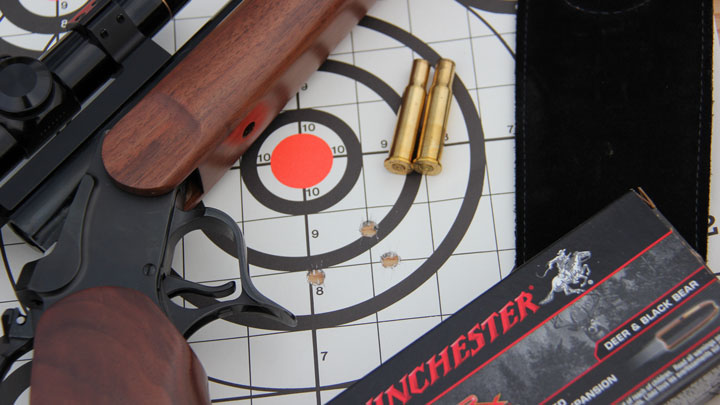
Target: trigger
17,340
174,285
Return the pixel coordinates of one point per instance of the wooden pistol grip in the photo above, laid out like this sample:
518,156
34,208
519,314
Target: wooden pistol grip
207,111
112,345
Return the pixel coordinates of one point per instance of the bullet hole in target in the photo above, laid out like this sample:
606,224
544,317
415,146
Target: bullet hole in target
390,260
368,229
316,277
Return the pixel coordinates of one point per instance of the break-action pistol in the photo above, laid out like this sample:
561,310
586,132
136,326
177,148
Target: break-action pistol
107,146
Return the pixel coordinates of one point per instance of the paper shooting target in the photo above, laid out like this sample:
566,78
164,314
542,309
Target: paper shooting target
336,195
345,250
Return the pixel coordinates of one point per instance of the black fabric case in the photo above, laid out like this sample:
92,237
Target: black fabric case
611,95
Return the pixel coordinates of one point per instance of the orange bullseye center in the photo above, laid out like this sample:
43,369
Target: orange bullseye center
301,161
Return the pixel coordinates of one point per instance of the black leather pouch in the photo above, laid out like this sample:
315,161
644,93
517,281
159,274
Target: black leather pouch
611,95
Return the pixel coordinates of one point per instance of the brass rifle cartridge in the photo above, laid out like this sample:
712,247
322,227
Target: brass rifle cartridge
427,159
409,116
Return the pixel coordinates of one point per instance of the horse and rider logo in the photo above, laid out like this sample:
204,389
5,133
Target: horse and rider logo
572,273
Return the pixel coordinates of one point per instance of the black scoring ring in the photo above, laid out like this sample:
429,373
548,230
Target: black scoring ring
455,234
442,252
494,6
362,244
248,168
27,20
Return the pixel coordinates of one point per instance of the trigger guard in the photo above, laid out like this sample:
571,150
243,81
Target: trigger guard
224,232
189,321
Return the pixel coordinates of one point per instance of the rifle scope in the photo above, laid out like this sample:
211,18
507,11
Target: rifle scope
39,96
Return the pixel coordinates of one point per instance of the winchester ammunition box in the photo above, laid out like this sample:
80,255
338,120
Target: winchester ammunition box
621,310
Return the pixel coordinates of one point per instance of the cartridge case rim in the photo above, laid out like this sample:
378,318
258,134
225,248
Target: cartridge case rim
398,165
427,166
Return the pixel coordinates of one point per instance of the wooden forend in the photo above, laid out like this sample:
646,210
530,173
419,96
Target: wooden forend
112,345
207,111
